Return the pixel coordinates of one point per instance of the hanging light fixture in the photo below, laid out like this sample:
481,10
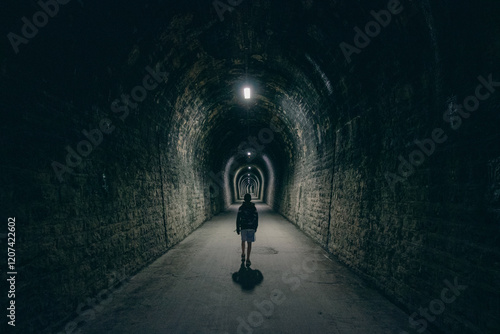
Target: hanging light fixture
246,93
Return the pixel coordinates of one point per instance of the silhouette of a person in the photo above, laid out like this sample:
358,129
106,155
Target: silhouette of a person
247,222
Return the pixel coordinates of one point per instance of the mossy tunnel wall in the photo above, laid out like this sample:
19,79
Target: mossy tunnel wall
372,126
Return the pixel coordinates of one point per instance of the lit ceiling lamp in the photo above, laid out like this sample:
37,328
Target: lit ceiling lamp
246,92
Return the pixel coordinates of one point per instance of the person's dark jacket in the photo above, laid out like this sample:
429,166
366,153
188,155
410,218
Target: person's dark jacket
247,218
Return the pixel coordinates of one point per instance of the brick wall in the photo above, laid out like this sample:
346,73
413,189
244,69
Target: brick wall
442,222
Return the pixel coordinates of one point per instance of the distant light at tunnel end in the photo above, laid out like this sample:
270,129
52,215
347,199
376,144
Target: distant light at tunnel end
246,92
249,154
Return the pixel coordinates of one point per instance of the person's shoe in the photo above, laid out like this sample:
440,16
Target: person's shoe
242,257
249,263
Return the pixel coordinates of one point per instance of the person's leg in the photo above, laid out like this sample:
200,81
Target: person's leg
249,249
242,248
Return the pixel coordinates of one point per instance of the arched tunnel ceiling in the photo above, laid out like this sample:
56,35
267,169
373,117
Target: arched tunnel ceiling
233,53
230,119
288,54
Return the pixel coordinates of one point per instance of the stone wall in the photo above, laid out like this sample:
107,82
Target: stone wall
438,222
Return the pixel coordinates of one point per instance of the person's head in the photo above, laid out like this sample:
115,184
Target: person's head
247,198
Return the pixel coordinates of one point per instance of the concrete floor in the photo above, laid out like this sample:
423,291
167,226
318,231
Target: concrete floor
190,289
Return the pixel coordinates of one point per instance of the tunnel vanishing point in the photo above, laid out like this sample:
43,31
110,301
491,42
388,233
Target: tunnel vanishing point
372,126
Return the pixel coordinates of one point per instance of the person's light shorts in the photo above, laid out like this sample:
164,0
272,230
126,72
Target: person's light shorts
248,235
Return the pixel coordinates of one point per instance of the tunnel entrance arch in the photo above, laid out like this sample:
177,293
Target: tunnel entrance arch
249,179
248,184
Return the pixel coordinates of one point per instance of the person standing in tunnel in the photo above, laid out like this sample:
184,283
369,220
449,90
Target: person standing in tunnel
247,222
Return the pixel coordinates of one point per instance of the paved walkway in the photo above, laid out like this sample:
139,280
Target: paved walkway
190,289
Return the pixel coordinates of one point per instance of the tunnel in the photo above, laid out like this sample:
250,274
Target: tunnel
368,128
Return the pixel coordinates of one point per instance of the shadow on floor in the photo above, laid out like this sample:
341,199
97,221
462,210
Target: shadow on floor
247,277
